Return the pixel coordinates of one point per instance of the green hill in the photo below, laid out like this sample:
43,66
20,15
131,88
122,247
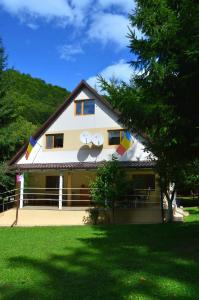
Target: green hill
27,103
33,98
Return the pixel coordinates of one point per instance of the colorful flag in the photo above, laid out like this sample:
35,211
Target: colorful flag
125,143
31,144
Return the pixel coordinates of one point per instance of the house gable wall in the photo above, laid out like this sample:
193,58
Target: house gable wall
72,126
103,117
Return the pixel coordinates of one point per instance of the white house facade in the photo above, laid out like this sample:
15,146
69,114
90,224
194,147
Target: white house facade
61,164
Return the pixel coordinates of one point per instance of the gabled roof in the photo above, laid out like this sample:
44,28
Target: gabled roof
58,112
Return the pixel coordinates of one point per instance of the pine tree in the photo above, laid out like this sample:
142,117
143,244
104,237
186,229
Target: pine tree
162,99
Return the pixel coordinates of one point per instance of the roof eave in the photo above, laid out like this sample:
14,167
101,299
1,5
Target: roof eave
79,165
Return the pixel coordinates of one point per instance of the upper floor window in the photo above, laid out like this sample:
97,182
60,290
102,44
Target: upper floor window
115,137
54,141
85,107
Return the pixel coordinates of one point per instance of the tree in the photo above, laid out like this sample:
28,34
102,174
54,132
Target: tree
3,61
110,185
25,103
162,99
4,116
6,178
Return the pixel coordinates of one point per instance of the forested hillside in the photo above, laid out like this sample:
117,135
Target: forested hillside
28,102
32,98
25,104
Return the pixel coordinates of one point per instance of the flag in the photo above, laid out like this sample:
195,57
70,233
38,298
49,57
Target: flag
31,144
125,143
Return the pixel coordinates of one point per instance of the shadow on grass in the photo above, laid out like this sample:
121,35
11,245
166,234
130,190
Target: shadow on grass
114,262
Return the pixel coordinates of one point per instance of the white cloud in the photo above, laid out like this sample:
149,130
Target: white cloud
38,8
80,9
107,27
32,26
120,71
125,5
68,52
92,18
64,12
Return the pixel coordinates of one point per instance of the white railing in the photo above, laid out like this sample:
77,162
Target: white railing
8,199
33,196
68,195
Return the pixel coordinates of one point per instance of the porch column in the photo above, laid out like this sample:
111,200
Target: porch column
60,190
69,190
21,190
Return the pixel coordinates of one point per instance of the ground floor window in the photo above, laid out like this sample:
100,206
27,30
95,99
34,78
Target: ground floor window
52,182
144,181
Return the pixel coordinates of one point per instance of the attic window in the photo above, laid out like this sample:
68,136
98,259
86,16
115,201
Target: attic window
85,107
54,141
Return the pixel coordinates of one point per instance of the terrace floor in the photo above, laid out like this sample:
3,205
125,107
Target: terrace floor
46,216
52,216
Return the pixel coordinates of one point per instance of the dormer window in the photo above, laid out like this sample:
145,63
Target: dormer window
85,107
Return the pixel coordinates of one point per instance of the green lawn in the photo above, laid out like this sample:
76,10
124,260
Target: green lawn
109,262
193,214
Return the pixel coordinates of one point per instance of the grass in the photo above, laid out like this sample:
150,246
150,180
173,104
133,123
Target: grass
101,262
187,197
193,214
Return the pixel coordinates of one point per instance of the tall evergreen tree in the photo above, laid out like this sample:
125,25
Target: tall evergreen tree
162,99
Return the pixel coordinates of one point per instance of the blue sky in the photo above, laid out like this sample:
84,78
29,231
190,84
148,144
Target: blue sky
64,41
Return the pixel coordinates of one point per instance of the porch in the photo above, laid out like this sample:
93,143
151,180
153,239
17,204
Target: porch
55,189
67,189
53,197
39,210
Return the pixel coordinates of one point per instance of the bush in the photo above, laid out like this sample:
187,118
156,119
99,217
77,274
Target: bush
109,185
94,215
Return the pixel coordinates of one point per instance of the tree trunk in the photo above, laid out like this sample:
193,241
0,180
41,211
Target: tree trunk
170,208
170,211
113,212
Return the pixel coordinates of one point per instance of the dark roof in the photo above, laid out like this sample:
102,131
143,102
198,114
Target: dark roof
80,165
57,113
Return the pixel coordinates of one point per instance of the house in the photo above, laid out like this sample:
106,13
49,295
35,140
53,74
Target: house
83,133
